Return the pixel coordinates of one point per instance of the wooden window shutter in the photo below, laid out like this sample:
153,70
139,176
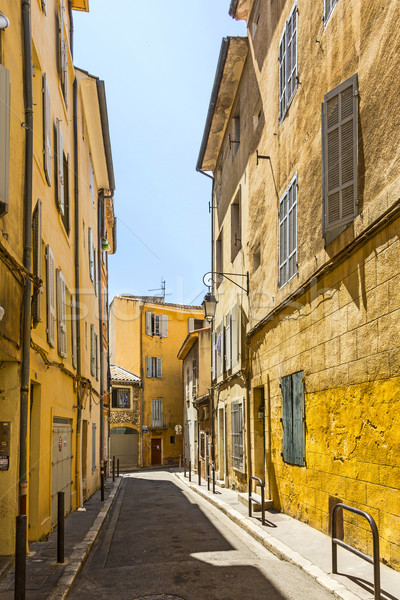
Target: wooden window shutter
287,419
228,361
282,76
61,315
5,93
90,250
298,419
164,326
60,168
340,148
288,233
74,333
234,337
148,366
95,270
50,297
159,368
46,130
148,323
190,324
291,55
37,259
92,351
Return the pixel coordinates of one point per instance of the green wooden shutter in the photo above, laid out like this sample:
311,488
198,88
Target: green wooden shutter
5,94
37,258
287,418
46,130
340,146
298,419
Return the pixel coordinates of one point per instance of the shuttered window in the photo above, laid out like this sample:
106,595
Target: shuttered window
329,5
61,315
156,324
288,233
236,335
60,168
51,297
74,341
293,440
5,92
46,130
194,378
92,352
156,412
228,362
288,63
219,346
37,259
153,367
340,154
237,434
90,250
62,52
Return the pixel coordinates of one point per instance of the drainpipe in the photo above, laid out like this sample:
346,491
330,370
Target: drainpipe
27,240
141,380
100,205
78,462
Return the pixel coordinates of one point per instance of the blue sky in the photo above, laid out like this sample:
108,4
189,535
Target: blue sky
158,61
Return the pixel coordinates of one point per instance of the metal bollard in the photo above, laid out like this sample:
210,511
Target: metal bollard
184,467
190,470
113,468
102,483
199,470
20,558
117,467
60,527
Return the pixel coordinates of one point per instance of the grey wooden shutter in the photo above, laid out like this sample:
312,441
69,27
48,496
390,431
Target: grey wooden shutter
92,352
46,130
61,315
74,341
287,419
148,366
340,147
148,323
164,326
159,368
291,55
60,168
190,324
90,250
50,297
156,409
228,342
5,94
282,76
37,258
298,419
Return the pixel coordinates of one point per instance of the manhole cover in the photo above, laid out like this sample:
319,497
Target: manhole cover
159,597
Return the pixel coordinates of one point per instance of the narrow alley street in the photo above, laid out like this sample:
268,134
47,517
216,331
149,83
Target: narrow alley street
162,541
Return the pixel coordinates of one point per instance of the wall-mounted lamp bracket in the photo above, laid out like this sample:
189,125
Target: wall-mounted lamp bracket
262,157
212,277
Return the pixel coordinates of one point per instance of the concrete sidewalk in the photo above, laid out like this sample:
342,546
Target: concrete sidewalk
45,578
304,546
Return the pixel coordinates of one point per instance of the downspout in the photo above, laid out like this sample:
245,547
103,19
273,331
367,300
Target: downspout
78,462
141,382
100,203
27,240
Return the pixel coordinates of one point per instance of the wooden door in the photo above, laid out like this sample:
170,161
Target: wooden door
156,451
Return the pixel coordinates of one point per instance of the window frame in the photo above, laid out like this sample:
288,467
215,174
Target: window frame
284,76
237,435
157,413
285,221
115,396
329,7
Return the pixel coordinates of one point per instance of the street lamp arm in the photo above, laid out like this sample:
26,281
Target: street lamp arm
210,278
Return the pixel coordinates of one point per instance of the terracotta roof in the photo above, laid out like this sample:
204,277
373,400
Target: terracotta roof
120,374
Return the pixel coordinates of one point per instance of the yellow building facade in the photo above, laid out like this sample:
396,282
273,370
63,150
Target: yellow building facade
310,155
67,175
145,336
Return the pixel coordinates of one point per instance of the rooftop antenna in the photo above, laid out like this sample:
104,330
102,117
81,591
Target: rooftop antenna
161,289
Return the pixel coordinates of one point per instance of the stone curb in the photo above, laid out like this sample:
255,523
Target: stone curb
81,550
275,546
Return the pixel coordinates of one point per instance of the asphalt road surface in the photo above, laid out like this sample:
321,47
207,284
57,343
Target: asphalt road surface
163,542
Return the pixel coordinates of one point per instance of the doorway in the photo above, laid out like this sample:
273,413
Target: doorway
259,432
34,460
156,451
221,443
62,460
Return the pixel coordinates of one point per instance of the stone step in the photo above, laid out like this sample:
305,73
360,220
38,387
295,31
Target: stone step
243,498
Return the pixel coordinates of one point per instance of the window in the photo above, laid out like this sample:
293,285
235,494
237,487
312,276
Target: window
5,93
156,324
329,5
91,257
237,434
62,52
121,398
292,388
288,233
74,317
153,367
60,167
61,315
188,384
236,228
65,212
105,307
340,154
51,297
156,412
194,378
219,349
92,351
172,439
235,140
227,344
256,258
236,335
194,324
37,259
46,130
288,63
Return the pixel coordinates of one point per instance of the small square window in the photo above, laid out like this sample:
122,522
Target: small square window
172,439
